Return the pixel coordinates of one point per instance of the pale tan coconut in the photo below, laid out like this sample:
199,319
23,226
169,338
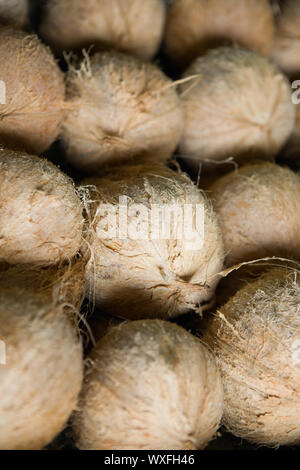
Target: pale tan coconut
256,339
14,12
286,46
141,270
240,106
120,107
41,216
32,92
149,385
41,376
257,207
194,26
128,25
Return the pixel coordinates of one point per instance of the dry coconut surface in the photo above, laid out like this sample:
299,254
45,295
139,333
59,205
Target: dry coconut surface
256,339
142,269
128,25
14,12
238,276
194,26
42,375
119,107
240,106
41,217
286,46
258,209
32,92
149,385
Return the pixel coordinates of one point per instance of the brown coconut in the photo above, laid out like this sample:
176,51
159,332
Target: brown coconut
149,385
41,217
155,273
243,274
256,339
127,25
240,106
41,376
100,323
286,46
120,107
32,92
194,26
14,12
257,208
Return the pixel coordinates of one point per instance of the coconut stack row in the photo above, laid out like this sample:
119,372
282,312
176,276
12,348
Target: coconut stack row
149,224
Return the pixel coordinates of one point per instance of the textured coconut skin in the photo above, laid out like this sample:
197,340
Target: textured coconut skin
120,107
286,52
149,385
256,337
194,26
100,323
127,25
41,217
240,107
35,92
41,380
286,46
245,274
151,278
13,12
257,207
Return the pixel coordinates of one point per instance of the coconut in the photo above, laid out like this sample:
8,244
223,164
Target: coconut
32,92
100,323
257,207
41,376
286,46
155,244
276,7
295,137
256,339
239,106
290,153
127,25
120,107
149,385
194,26
41,213
14,12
